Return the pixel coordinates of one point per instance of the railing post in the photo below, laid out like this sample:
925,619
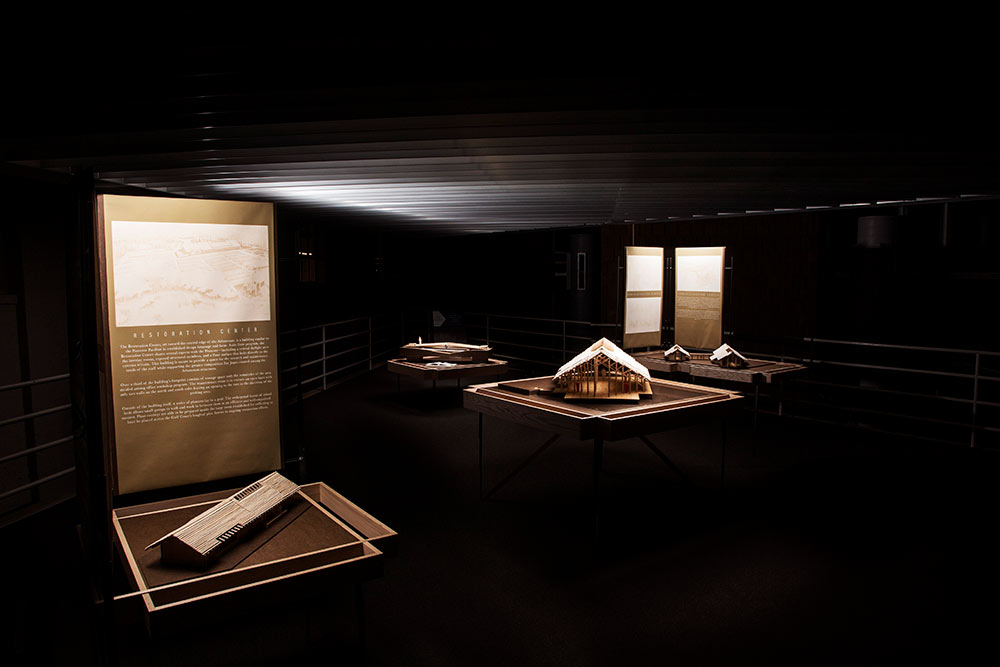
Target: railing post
323,333
975,399
564,341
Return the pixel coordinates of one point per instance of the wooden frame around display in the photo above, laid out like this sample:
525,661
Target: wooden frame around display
425,371
757,370
308,560
607,421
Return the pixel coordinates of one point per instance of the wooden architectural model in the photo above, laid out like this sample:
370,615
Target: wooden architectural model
603,372
207,535
456,353
727,357
677,353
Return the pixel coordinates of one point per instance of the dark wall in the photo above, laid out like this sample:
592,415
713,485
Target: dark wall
329,269
33,330
922,274
770,291
507,272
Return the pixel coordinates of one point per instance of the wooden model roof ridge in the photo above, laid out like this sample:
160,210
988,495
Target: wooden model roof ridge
677,353
603,372
207,535
609,350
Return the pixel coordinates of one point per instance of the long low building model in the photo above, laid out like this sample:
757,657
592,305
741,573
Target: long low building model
207,535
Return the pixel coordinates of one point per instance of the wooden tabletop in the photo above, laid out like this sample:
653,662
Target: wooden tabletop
441,370
673,404
758,370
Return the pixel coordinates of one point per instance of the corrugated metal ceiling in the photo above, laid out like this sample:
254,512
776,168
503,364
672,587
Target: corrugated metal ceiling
413,146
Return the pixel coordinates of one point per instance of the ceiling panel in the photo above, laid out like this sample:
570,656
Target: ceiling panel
489,149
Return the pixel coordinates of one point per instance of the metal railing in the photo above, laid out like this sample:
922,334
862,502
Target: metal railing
318,357
534,341
939,394
944,395
32,449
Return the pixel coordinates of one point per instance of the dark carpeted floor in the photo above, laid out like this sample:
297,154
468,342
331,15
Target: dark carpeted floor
825,547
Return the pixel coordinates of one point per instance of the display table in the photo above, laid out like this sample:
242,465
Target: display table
673,405
758,372
445,371
322,539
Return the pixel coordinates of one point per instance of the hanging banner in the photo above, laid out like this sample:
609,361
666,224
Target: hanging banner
698,297
643,297
190,368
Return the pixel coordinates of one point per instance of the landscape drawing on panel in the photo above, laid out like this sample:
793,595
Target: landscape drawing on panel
699,273
169,273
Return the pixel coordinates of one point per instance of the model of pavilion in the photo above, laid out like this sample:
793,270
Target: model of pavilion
603,372
207,535
727,357
677,353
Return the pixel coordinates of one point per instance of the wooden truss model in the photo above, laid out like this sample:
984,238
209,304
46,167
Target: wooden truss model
603,372
207,535
458,353
727,357
677,353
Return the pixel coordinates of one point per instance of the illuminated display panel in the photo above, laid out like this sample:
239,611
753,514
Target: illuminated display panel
643,296
698,297
190,381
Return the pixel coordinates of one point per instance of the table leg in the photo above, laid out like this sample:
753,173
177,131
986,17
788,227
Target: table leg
756,398
598,463
663,457
359,605
524,464
722,468
482,474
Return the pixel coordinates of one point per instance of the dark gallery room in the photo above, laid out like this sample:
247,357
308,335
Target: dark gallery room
499,351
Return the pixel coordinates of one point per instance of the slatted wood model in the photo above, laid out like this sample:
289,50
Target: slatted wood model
457,353
603,372
207,535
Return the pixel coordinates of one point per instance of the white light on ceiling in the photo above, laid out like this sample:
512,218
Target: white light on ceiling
472,202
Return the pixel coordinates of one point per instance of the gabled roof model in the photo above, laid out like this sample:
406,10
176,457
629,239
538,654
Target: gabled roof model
677,353
724,355
208,534
608,349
